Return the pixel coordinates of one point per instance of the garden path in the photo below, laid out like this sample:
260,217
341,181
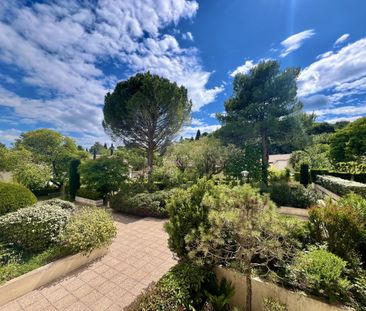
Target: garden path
138,256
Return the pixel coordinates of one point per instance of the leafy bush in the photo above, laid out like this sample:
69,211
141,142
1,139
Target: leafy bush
276,175
295,195
342,225
186,213
220,298
88,193
180,289
13,197
34,228
33,176
341,186
103,174
321,273
65,205
142,204
88,228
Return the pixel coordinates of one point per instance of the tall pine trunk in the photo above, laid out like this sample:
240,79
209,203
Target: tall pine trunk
150,164
248,279
265,156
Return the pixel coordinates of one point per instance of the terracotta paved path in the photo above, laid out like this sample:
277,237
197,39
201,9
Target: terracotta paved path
138,256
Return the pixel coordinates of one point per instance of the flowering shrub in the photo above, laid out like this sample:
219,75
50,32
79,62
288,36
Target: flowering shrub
65,205
34,228
341,186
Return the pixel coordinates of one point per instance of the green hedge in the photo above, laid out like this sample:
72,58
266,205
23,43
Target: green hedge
182,288
142,204
356,177
88,229
14,197
34,228
341,186
294,195
88,193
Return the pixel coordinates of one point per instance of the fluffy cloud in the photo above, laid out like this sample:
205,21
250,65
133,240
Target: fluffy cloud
341,72
62,49
249,64
197,124
341,39
295,41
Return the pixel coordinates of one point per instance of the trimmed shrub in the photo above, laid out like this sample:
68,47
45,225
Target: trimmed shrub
34,228
142,204
65,205
88,193
361,177
180,289
304,174
14,197
341,186
321,273
295,195
89,228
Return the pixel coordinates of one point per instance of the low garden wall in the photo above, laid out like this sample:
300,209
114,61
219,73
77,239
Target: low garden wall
90,202
295,301
46,274
326,193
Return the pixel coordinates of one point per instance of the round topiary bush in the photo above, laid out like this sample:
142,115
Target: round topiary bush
14,196
34,228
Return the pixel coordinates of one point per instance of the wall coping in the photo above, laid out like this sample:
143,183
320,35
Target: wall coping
41,276
89,201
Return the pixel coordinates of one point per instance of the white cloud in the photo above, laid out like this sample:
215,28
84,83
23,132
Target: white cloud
341,72
345,110
295,41
324,55
190,131
61,50
338,119
249,64
341,39
187,36
9,136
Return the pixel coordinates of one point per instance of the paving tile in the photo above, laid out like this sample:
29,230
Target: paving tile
12,306
65,301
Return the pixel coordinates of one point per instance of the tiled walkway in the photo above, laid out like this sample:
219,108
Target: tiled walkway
138,256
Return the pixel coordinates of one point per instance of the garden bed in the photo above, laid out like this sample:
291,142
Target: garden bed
294,301
46,274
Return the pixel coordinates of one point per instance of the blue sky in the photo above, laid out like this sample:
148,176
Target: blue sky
59,58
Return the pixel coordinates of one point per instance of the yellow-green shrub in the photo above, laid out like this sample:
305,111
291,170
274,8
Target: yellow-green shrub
88,228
